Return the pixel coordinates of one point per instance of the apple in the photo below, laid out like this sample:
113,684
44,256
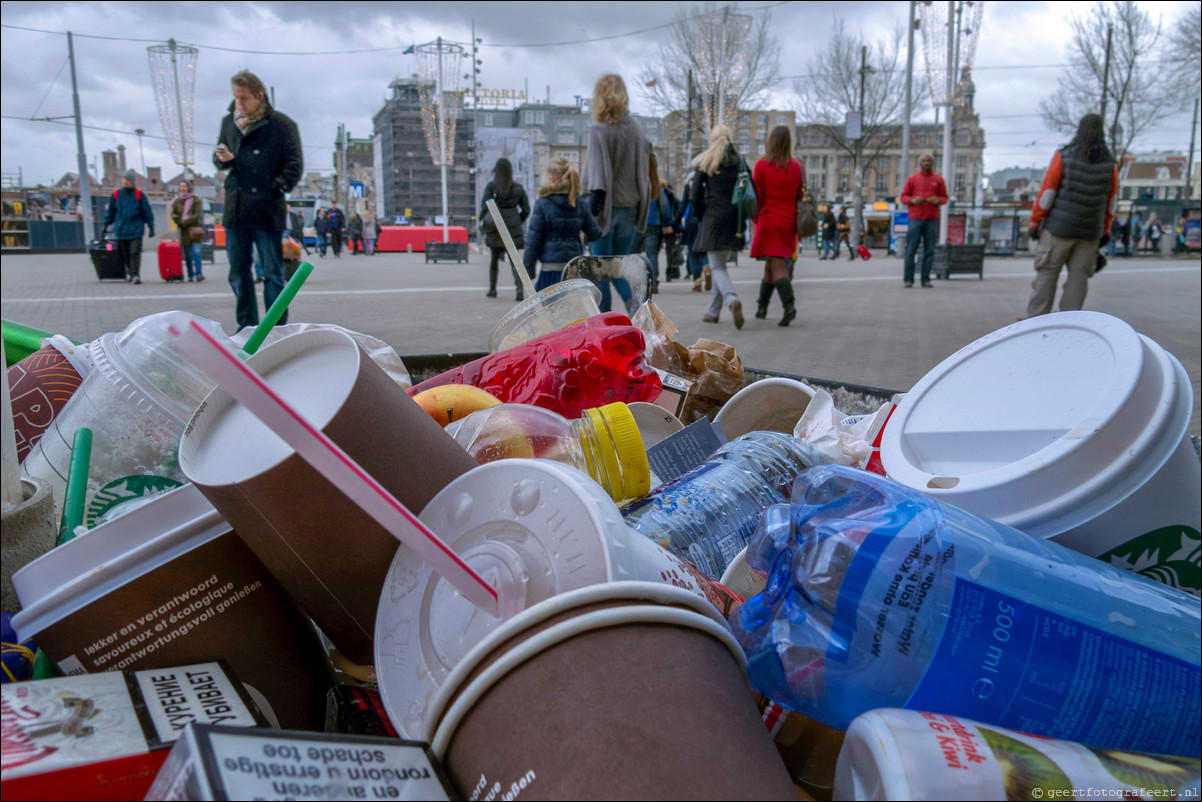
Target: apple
450,402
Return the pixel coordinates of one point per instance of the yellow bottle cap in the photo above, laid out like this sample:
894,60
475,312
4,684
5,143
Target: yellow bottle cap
628,458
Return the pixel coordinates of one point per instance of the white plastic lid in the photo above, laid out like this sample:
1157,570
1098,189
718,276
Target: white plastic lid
533,528
82,570
1041,425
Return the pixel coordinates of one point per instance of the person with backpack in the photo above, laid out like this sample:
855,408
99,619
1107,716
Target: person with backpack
1071,218
719,234
129,215
560,216
514,206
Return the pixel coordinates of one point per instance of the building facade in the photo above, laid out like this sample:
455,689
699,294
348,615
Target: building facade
750,130
409,183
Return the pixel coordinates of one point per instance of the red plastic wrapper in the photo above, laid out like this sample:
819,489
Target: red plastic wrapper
589,364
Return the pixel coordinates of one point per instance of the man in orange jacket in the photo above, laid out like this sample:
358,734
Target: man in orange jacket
924,192
1075,207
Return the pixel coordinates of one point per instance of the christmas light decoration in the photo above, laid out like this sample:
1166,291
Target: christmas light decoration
439,68
173,76
966,15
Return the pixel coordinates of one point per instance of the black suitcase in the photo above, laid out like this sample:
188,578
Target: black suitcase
106,259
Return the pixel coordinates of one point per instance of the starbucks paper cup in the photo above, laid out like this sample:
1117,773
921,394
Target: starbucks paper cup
1071,427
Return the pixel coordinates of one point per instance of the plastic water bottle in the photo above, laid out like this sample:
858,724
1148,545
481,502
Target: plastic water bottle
878,596
604,443
708,514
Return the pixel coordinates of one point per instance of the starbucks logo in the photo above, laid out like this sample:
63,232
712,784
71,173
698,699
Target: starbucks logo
122,490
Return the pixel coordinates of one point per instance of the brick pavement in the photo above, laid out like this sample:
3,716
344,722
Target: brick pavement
855,321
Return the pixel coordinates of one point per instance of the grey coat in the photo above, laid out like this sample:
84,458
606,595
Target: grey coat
618,161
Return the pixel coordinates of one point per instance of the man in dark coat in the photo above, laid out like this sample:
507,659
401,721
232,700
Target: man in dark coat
261,149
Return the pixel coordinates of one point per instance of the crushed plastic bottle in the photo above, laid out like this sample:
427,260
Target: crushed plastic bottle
604,443
878,596
708,514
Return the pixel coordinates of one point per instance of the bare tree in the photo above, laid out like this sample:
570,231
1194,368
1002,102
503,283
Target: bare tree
731,57
1185,48
833,89
1137,94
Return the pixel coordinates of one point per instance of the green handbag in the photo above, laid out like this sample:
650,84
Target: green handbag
743,197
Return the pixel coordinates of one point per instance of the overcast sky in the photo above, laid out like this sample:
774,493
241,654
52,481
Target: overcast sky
304,51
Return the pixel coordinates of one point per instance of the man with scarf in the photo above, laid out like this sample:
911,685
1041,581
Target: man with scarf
261,149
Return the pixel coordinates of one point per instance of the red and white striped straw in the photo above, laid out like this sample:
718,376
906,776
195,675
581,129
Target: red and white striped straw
249,389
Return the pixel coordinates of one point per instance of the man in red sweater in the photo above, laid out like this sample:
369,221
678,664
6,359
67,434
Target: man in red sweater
923,193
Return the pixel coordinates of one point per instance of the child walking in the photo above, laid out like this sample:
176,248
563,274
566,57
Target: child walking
558,219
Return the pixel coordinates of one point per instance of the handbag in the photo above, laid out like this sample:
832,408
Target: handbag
743,197
196,233
807,216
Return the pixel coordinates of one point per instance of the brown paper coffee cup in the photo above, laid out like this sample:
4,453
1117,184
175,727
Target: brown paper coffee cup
620,691
330,555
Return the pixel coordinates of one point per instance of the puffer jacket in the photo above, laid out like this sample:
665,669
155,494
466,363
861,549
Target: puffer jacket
553,236
711,202
515,208
267,164
128,212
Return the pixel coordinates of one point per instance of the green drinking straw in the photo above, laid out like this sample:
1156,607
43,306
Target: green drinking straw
77,485
20,340
277,308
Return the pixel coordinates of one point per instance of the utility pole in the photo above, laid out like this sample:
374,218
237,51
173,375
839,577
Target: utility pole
340,161
85,189
947,121
688,146
905,155
858,208
1189,165
1106,70
141,150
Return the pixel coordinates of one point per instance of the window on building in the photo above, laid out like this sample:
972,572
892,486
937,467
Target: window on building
762,119
528,117
565,137
823,162
744,148
746,118
962,139
844,163
882,164
960,186
843,183
922,140
744,135
1126,193
488,120
782,119
761,150
761,134
961,162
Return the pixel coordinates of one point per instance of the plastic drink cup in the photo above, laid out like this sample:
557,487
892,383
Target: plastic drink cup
576,697
171,584
136,400
330,555
535,529
1071,427
545,311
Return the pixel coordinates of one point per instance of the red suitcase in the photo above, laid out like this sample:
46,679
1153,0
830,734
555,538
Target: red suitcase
171,260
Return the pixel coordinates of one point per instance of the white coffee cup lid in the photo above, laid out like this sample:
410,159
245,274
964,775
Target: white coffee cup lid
533,528
1043,424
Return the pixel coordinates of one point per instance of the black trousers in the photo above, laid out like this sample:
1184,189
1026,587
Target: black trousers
131,256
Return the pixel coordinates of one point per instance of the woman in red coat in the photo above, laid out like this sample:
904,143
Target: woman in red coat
779,183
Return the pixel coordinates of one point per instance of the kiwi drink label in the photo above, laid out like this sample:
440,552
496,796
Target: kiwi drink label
951,758
1017,665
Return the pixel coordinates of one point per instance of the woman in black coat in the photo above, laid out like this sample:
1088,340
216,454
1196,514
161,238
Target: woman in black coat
718,235
514,206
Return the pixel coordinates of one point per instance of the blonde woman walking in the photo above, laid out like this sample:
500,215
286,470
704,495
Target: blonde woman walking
718,235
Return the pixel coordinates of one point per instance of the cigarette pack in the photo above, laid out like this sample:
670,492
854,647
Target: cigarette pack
675,392
111,723
220,763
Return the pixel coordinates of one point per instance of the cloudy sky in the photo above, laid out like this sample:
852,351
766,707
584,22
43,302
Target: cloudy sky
331,62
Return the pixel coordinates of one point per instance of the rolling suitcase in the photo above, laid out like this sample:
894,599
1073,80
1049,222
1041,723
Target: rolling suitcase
106,260
171,260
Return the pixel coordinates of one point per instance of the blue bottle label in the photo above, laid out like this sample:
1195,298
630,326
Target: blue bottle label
1005,662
